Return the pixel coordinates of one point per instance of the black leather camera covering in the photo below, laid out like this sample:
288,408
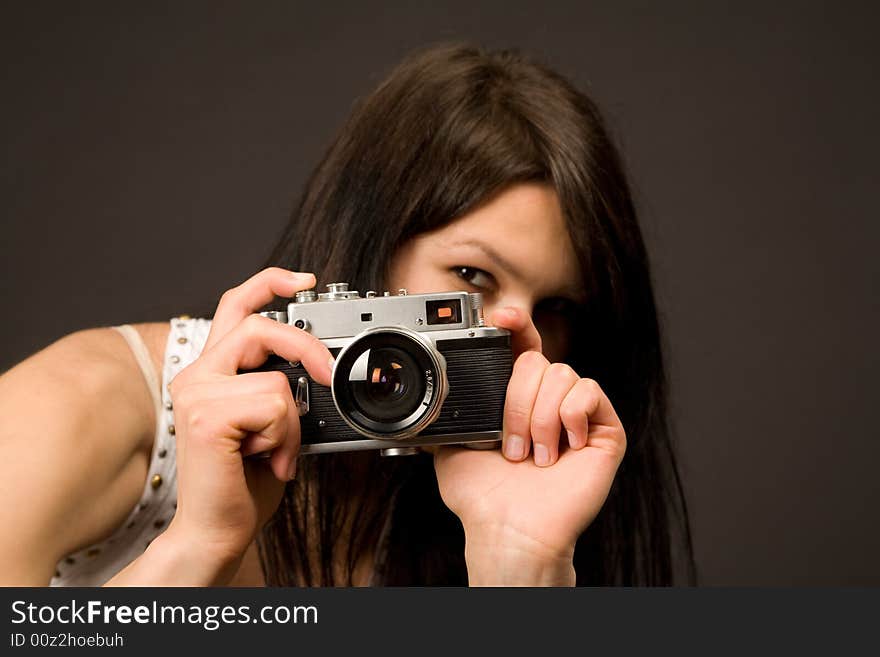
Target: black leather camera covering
478,370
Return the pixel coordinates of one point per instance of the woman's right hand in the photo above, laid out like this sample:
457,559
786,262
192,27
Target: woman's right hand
221,417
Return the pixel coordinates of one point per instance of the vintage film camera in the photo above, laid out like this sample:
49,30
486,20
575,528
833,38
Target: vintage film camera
411,370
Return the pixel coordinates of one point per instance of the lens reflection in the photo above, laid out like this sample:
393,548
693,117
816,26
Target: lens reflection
386,384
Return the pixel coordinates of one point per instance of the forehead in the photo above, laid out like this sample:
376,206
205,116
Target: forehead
525,226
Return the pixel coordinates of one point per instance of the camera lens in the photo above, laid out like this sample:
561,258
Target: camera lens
389,383
387,386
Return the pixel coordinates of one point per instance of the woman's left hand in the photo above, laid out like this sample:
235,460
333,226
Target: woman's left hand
522,513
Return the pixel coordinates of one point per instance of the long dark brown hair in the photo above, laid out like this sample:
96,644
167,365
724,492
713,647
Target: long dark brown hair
450,127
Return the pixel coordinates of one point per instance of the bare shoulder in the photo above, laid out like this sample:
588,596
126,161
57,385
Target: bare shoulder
75,443
107,342
112,365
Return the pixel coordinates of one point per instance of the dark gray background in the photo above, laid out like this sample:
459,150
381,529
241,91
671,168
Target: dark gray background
152,153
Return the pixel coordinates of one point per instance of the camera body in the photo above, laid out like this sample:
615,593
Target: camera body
411,370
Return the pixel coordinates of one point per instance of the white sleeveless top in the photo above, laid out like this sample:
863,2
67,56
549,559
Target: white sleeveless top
95,564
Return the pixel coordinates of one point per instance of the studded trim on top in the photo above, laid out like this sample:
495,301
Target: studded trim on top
96,564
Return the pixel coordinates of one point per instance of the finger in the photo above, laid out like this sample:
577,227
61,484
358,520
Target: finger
232,387
257,291
283,459
605,445
604,428
599,408
210,435
214,429
255,423
266,424
219,399
573,412
546,425
249,344
257,444
522,390
524,335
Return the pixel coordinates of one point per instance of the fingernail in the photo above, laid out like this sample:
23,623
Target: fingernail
291,472
301,276
574,441
513,447
542,454
331,362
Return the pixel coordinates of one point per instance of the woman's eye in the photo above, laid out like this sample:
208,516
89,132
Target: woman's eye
474,276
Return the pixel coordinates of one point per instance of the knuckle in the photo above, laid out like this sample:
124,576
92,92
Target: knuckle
542,423
561,371
279,382
617,449
229,297
252,325
198,420
590,391
518,414
570,415
530,359
279,405
591,386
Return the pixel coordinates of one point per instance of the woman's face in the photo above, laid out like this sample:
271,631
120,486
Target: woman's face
514,249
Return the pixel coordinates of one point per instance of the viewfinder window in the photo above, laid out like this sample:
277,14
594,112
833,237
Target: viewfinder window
443,311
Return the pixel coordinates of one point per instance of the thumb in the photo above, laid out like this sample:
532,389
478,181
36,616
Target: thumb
524,334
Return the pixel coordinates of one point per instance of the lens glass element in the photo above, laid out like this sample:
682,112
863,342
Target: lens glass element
386,384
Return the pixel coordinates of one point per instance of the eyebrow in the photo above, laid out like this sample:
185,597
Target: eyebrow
500,261
576,291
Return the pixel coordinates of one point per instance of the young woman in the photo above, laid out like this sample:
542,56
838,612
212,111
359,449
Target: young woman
464,170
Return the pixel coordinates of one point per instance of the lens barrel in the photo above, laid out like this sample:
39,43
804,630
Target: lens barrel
389,382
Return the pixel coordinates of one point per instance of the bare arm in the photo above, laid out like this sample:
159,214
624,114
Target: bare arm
75,437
